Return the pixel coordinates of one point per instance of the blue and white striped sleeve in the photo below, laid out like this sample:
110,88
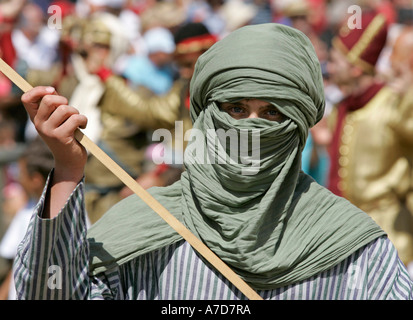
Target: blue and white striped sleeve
52,259
388,277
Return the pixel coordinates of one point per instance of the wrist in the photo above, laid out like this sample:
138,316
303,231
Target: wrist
61,187
61,174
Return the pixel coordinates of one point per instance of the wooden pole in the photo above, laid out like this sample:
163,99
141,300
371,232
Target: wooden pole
145,196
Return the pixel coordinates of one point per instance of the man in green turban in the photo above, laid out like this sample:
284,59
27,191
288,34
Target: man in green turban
275,227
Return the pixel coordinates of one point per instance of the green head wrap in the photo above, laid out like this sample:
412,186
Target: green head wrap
267,220
269,62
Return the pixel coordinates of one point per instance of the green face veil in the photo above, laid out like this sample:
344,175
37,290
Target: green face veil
271,223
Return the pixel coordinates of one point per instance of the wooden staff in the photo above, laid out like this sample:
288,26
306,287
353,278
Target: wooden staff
145,196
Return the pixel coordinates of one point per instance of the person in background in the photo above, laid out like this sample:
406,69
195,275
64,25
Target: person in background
61,74
208,13
315,159
401,61
150,112
34,166
370,154
154,69
12,196
36,44
402,83
9,12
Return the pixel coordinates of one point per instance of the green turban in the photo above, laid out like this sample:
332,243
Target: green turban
270,222
270,62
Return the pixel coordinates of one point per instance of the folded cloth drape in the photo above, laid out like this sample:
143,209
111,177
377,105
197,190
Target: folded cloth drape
254,207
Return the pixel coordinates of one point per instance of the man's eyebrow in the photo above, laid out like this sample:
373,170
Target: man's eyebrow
242,104
239,103
234,103
269,105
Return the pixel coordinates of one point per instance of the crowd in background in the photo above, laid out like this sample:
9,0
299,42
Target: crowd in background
126,64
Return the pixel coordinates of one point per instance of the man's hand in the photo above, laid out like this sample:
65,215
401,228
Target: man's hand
56,122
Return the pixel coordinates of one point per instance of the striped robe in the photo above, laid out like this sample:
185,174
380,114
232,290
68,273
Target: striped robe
53,262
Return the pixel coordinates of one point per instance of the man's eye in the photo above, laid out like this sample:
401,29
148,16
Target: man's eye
236,109
230,108
273,112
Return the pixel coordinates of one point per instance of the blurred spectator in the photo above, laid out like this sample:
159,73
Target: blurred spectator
35,43
403,16
114,7
166,14
12,196
132,21
103,43
9,11
121,9
371,157
35,164
236,14
9,95
60,74
299,14
265,11
148,111
208,13
153,70
404,9
401,61
402,64
318,17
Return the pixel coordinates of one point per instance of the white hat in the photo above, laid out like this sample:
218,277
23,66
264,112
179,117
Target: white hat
237,13
159,39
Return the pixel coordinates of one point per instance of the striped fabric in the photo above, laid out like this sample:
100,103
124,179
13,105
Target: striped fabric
52,263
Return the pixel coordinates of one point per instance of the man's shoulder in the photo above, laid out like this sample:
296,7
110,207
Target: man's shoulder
137,210
131,228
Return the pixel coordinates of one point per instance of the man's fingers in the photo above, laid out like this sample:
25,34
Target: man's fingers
68,127
62,114
49,112
31,99
48,106
36,94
